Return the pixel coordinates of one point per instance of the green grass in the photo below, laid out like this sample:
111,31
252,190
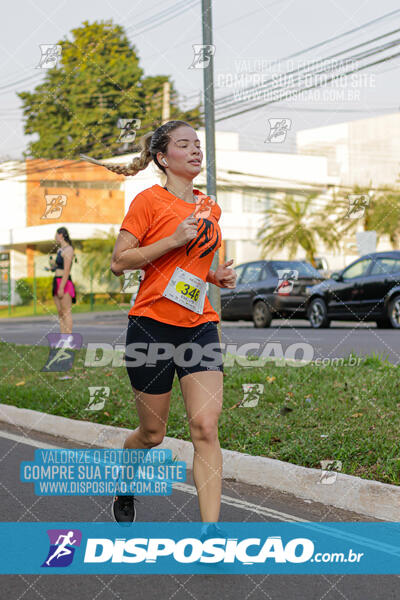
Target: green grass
50,309
357,408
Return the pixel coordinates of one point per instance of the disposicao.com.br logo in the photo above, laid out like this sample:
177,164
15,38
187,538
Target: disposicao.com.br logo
192,547
213,550
190,550
62,547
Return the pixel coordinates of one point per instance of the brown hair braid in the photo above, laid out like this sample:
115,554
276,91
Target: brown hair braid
151,143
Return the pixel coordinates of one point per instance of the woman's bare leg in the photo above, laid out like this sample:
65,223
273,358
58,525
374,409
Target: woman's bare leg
57,302
203,395
153,412
66,314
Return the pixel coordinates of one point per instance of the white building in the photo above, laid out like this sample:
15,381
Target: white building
365,152
246,182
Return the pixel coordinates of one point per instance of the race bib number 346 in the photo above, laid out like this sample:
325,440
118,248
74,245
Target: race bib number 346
186,289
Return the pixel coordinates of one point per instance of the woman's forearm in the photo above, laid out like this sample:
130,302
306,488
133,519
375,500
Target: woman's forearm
136,258
211,277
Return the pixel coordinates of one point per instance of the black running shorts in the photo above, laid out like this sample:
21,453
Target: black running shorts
154,350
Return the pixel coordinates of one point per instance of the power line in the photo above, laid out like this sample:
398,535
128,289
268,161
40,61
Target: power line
389,109
325,186
386,59
163,17
341,35
230,99
352,31
34,76
224,25
75,166
153,21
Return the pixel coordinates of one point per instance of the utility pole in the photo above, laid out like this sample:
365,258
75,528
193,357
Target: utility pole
208,78
166,103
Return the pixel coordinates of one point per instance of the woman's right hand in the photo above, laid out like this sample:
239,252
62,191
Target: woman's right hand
186,231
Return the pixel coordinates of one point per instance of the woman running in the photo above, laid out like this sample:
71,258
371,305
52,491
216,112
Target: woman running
63,288
171,233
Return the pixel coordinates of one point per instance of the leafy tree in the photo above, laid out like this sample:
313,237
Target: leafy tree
97,81
297,222
385,217
381,213
343,210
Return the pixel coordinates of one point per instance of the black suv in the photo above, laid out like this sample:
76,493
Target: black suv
267,290
366,290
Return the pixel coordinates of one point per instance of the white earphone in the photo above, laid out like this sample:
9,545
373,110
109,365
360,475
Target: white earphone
164,161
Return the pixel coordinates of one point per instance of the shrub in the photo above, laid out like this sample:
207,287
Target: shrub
24,287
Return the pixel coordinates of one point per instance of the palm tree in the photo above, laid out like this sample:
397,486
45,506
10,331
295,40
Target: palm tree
346,218
385,217
381,213
297,222
97,254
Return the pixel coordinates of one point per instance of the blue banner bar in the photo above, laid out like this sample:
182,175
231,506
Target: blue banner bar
165,547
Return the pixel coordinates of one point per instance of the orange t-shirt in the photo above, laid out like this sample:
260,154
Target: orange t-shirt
153,215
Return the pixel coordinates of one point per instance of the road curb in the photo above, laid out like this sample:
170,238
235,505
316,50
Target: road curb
366,497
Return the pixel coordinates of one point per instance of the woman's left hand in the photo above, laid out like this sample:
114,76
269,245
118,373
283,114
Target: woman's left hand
60,293
225,276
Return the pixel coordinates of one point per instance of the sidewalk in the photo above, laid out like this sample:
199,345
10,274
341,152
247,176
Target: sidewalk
371,498
118,313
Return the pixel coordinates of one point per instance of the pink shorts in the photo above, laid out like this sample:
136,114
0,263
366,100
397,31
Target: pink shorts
68,289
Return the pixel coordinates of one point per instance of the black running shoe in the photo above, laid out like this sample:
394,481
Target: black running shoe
123,510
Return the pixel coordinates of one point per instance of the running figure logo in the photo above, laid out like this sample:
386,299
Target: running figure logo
54,206
204,206
357,205
202,55
132,280
330,470
98,397
50,55
61,356
278,129
252,392
62,547
286,279
128,127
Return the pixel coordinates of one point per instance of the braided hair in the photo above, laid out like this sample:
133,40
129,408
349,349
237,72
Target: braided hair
151,143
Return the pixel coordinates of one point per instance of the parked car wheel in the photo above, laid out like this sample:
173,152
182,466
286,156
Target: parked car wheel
317,314
261,314
394,312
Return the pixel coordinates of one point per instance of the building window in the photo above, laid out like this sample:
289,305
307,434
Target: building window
255,203
225,200
92,185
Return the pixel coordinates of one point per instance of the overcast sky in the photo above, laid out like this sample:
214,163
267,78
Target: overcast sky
247,37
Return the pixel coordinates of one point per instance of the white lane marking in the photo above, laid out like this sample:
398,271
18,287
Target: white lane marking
183,487
237,503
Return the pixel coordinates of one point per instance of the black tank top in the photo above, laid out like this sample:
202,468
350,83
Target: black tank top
59,260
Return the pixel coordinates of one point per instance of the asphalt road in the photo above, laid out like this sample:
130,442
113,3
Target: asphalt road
240,503
337,341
